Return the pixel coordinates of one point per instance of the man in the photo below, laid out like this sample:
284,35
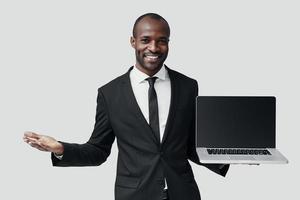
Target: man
151,111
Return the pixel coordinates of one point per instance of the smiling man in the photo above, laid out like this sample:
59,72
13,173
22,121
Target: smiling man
150,110
150,40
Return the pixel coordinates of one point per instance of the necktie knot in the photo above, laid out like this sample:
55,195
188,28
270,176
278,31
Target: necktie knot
151,80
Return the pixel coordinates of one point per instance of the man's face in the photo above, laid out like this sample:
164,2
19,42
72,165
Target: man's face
151,44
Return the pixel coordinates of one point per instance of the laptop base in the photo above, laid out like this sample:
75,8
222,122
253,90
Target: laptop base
275,158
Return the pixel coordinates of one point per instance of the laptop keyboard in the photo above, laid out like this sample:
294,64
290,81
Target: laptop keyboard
239,151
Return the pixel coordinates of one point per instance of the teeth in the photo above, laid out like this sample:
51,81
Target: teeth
153,57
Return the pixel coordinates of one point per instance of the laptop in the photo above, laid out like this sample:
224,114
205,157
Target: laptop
237,130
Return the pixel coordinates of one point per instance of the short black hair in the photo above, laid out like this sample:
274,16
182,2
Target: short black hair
152,16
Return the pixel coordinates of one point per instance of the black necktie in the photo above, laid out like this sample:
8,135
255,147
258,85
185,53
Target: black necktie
153,107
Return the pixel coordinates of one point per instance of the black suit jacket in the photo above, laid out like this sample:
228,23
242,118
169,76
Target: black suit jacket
143,162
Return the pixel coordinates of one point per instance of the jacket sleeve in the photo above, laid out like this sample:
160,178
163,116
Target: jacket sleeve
97,149
220,169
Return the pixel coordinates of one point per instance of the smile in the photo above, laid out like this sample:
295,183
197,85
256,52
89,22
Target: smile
152,58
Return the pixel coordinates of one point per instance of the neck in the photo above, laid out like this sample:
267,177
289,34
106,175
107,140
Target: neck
148,72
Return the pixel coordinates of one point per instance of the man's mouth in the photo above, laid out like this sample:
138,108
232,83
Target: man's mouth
152,57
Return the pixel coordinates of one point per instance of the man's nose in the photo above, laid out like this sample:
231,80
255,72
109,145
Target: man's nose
153,47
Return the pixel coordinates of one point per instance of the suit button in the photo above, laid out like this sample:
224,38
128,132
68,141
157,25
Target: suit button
161,153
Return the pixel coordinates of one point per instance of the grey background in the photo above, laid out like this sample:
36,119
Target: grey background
55,54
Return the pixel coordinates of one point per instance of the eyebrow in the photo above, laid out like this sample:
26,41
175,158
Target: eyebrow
165,38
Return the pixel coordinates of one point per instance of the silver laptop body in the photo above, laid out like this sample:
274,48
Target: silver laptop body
237,130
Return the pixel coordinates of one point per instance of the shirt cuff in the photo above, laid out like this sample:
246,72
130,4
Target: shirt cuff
58,156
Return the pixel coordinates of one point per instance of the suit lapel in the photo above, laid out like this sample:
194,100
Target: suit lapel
173,104
133,105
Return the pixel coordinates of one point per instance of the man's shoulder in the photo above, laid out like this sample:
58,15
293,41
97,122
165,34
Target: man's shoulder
180,76
115,83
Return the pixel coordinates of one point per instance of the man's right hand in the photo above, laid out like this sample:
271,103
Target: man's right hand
43,142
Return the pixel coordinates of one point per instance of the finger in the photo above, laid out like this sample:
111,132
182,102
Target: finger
38,143
31,140
34,145
43,145
25,140
31,135
34,142
41,149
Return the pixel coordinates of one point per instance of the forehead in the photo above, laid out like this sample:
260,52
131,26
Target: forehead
152,27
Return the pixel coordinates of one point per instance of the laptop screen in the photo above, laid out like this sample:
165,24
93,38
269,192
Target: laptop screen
235,122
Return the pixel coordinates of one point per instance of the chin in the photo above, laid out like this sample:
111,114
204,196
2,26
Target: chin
153,67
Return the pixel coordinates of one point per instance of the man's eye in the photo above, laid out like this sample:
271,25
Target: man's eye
144,40
163,41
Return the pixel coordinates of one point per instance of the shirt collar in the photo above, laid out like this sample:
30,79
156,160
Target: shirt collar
139,76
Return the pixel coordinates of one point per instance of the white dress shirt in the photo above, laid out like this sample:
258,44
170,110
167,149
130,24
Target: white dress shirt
162,86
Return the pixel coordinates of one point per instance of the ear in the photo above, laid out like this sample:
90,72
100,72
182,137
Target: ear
132,41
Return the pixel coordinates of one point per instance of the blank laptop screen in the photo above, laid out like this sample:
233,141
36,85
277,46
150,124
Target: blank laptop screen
235,122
